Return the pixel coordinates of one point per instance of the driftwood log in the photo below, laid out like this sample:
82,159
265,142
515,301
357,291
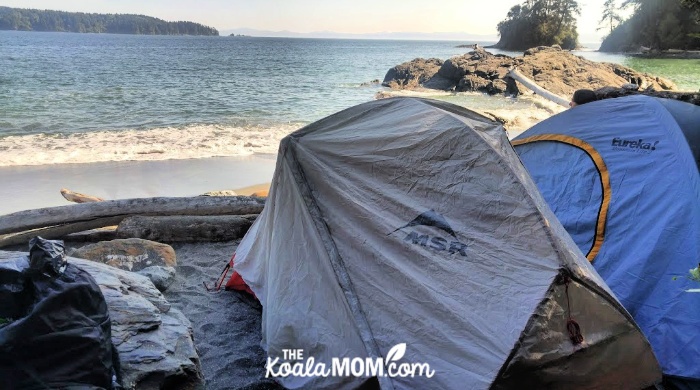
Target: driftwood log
186,228
58,231
119,209
515,75
77,197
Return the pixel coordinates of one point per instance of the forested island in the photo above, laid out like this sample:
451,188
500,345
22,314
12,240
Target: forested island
540,23
37,20
654,26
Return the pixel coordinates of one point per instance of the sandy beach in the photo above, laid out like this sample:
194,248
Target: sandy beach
226,325
30,187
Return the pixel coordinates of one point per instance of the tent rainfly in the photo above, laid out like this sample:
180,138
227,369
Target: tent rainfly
621,177
407,230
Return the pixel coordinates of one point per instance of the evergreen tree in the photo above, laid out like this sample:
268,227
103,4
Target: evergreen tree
658,25
540,22
694,6
611,18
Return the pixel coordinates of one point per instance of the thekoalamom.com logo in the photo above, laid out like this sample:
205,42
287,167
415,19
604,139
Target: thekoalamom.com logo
296,365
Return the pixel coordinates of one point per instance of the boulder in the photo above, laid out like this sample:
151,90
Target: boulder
131,254
412,74
162,277
153,340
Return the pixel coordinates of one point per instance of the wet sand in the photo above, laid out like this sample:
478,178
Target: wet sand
30,187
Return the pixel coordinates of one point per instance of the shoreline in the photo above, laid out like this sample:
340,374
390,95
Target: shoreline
680,55
37,186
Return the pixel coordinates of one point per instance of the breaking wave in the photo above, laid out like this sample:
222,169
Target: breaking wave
203,141
194,141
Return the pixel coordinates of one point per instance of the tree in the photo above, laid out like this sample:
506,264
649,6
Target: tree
540,22
36,20
693,5
657,24
611,18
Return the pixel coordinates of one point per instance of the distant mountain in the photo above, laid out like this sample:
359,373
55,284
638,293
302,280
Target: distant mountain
47,20
441,36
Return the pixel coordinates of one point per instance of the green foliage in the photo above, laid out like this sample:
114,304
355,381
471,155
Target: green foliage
658,25
693,6
695,273
36,20
611,18
538,23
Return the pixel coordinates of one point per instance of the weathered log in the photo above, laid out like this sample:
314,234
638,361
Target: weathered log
185,228
515,75
107,233
57,231
220,193
84,212
77,197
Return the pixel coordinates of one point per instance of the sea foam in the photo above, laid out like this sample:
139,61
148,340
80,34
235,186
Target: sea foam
194,141
202,141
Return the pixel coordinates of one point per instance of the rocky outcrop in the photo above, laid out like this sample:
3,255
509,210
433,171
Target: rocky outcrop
131,254
552,68
412,74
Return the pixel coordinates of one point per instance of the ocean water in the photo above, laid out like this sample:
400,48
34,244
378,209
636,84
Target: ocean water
81,98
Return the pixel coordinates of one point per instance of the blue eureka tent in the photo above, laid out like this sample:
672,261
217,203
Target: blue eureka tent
622,179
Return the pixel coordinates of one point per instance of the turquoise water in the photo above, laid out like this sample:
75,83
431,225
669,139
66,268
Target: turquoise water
101,97
685,73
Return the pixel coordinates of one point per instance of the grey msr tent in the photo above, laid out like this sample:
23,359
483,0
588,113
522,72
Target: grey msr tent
412,221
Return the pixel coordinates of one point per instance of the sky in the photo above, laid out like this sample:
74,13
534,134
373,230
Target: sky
342,16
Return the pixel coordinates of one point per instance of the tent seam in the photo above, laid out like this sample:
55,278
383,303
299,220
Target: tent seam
342,276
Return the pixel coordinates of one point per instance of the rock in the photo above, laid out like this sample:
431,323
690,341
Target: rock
540,49
162,277
412,74
441,83
367,84
552,68
186,228
613,92
497,86
154,341
131,254
472,83
666,83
